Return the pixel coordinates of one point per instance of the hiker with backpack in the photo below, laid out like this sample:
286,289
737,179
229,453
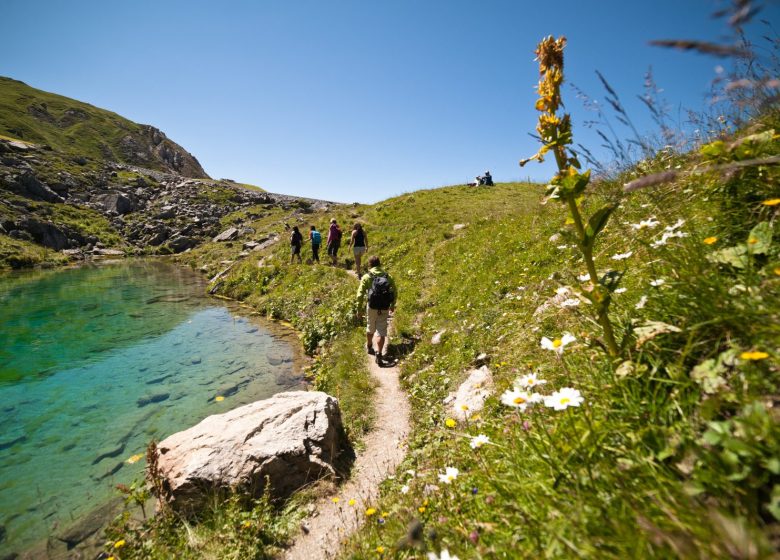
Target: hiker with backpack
316,239
296,240
358,242
378,287
334,241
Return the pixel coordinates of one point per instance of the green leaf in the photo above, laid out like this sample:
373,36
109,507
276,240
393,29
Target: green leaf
598,220
736,256
573,185
713,149
760,239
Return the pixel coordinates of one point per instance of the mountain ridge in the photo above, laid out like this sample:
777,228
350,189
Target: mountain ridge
81,129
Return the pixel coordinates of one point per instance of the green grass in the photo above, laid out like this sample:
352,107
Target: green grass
16,253
659,461
673,452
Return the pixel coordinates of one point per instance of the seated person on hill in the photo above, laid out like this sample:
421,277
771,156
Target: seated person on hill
486,180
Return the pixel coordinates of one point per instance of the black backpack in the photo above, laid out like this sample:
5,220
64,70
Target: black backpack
380,295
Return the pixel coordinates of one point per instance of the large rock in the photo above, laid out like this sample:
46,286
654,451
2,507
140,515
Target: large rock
292,438
116,202
471,394
45,233
28,185
181,243
227,235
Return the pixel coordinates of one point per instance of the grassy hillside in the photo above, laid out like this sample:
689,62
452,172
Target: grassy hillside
85,131
673,450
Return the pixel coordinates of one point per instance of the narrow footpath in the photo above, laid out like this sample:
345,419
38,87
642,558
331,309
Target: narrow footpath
384,449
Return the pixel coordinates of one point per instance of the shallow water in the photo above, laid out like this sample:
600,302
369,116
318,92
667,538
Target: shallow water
95,362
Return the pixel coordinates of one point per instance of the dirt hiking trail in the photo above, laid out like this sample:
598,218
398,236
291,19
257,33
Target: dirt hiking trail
384,449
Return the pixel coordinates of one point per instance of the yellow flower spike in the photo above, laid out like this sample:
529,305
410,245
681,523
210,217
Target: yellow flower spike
120,543
351,501
421,509
380,549
450,423
754,355
385,514
335,500
370,512
246,524
710,240
771,202
111,558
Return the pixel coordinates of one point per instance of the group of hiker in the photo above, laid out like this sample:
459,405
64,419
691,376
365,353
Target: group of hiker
358,242
377,290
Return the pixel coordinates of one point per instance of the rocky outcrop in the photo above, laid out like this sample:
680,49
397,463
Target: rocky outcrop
290,440
150,147
471,394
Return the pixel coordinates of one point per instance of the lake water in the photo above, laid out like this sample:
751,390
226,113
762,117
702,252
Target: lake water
96,361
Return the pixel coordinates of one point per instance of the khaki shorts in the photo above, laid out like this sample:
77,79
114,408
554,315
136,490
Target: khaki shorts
377,321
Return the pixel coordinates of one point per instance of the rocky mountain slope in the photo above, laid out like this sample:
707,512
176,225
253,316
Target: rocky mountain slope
78,181
81,130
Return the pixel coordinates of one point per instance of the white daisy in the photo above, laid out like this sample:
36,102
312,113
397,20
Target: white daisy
650,223
621,256
479,441
558,344
516,399
530,381
405,489
450,474
563,399
620,290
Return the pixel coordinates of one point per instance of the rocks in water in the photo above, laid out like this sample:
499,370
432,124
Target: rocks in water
471,394
276,360
12,442
227,235
89,524
113,452
292,438
150,399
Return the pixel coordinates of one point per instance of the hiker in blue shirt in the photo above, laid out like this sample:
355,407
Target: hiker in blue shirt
316,240
380,288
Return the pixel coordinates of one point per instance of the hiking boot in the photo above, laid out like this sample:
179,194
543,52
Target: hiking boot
370,350
379,359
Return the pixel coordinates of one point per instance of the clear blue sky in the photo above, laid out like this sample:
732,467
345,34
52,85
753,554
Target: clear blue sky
351,100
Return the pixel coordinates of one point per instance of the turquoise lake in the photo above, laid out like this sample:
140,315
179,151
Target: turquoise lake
95,362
